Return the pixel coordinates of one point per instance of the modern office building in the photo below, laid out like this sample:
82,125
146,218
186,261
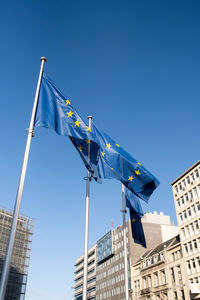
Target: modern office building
186,192
21,253
91,281
160,273
108,278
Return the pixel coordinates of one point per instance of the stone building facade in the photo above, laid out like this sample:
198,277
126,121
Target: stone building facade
186,192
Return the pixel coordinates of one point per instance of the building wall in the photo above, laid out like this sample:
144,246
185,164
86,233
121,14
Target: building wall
186,192
21,253
91,280
110,274
160,274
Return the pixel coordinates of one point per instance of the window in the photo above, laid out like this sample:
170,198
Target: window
188,267
179,273
182,295
197,173
186,249
193,263
175,296
186,198
149,281
180,186
172,274
182,200
192,229
190,246
144,283
188,180
189,212
163,276
178,203
181,218
156,279
195,193
196,225
195,245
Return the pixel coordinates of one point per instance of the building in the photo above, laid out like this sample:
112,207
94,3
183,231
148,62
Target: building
186,192
91,282
108,260
160,273
21,253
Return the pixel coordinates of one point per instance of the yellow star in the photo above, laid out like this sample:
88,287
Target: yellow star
88,129
103,154
130,178
88,141
67,102
139,164
137,172
108,146
70,113
117,145
81,148
133,220
77,123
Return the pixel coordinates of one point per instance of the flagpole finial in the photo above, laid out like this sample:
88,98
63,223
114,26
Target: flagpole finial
43,58
89,117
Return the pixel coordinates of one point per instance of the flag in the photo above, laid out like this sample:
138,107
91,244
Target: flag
116,163
56,112
137,228
136,213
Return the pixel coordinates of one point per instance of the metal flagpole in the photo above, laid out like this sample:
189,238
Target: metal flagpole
125,246
85,267
6,267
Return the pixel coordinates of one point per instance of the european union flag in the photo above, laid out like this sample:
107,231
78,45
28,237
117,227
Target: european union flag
136,213
137,228
55,111
116,163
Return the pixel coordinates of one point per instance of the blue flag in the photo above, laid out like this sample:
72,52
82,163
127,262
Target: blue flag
136,213
55,111
116,163
137,228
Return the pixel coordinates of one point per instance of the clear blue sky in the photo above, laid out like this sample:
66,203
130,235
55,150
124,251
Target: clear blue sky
135,67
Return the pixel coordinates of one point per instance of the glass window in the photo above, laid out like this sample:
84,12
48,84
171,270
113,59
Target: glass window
156,279
186,248
163,276
188,180
172,274
186,198
175,296
179,273
182,295
197,173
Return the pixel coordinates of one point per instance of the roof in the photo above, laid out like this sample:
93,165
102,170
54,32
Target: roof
157,249
186,172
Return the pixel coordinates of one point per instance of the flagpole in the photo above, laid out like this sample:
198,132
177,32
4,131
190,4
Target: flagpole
85,267
125,246
6,267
